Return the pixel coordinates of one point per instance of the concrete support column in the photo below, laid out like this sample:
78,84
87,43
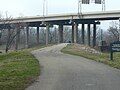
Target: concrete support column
72,40
27,37
38,35
94,35
60,33
56,35
83,34
75,33
88,35
47,34
8,39
8,35
17,38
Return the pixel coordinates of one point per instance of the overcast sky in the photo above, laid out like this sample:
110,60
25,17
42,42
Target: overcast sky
35,7
17,8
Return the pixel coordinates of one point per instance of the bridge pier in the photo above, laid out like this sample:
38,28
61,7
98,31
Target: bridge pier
17,39
47,34
72,40
27,37
38,35
83,34
94,35
75,33
60,36
88,34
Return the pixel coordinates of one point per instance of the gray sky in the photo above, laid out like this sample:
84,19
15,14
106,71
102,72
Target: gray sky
35,7
17,8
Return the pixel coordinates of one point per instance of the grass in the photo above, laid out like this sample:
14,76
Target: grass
103,58
18,69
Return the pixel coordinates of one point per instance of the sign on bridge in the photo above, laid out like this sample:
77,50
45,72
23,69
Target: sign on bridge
114,47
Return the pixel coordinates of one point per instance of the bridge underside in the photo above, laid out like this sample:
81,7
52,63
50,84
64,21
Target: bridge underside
71,22
89,18
60,23
63,22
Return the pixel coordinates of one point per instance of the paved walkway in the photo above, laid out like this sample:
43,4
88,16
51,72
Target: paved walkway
67,72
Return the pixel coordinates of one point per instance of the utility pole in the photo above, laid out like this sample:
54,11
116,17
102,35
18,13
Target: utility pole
79,8
45,8
103,5
45,11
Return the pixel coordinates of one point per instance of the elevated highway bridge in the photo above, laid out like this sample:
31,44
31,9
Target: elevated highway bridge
67,19
106,15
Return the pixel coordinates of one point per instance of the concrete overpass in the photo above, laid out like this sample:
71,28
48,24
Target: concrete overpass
67,19
106,15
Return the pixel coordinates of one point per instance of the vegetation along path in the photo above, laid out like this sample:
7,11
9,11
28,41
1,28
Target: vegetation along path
67,72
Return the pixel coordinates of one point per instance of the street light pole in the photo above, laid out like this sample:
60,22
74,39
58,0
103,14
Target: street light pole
79,8
45,11
103,5
43,8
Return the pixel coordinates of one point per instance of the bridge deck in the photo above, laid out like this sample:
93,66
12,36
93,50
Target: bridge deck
86,17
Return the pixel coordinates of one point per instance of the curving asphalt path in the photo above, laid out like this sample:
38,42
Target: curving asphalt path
67,72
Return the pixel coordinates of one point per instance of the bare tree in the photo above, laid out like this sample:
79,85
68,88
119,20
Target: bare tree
67,34
113,31
13,31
